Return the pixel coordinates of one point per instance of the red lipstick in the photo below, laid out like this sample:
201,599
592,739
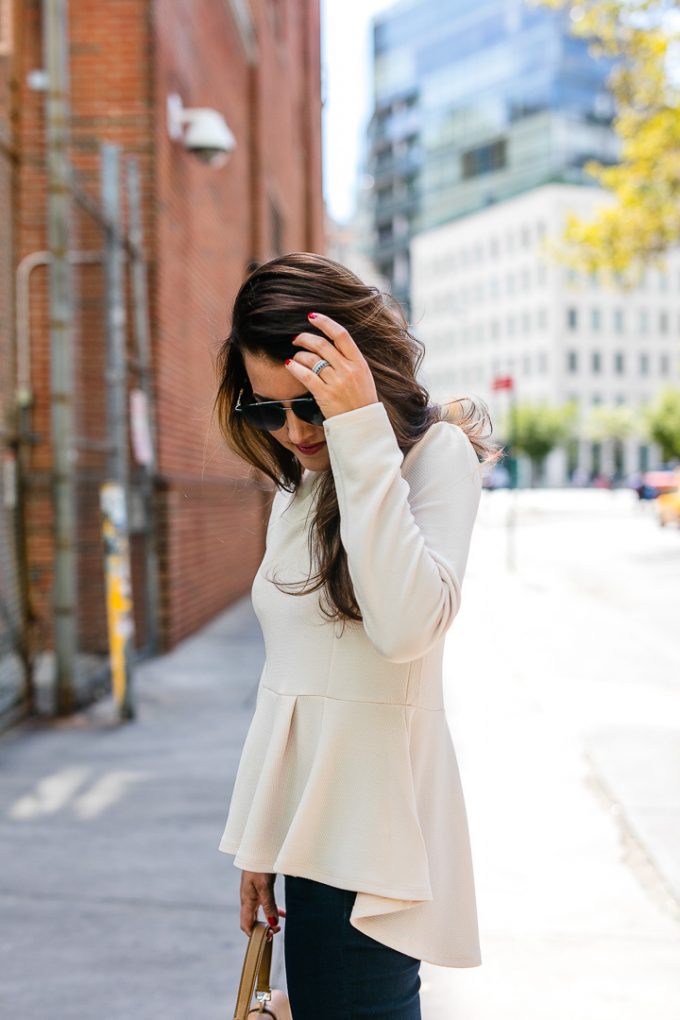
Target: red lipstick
309,450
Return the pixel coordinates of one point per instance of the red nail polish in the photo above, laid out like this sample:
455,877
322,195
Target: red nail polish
288,361
272,921
311,315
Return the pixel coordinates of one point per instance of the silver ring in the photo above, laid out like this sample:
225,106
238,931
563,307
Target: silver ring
319,365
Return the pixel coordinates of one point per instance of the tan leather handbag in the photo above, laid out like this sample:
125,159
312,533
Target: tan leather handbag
271,1002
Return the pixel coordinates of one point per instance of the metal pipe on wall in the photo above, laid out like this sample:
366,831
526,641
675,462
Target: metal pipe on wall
59,215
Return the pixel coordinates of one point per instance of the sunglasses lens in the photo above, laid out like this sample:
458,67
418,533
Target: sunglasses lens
309,411
268,418
271,416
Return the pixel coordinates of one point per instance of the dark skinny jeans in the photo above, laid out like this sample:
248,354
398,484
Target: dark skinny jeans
335,971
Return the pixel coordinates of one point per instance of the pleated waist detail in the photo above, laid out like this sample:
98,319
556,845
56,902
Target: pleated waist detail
297,795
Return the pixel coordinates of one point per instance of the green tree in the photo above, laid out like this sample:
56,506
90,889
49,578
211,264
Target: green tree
535,429
662,422
643,220
607,423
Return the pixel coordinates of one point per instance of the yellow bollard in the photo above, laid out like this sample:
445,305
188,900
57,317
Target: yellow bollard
119,613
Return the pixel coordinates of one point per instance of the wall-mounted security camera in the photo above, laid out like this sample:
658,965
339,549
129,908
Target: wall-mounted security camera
203,131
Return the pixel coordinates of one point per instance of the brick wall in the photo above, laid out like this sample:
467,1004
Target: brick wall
202,226
209,225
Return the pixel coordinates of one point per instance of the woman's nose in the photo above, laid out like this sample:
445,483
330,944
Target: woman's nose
298,430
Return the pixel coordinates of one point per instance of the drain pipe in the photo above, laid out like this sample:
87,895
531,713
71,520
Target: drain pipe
57,117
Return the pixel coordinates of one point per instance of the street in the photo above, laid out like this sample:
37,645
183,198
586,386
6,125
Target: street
562,681
563,686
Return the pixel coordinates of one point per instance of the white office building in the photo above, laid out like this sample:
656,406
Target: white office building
489,300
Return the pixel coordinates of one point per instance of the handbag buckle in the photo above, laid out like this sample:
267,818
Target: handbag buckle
263,996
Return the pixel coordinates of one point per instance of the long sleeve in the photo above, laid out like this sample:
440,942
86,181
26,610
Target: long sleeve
407,542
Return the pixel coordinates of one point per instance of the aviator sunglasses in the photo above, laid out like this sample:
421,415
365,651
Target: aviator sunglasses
270,415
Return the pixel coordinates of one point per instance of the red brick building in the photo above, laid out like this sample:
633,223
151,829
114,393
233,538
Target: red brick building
257,63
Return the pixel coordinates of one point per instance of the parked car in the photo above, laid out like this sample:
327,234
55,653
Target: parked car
668,507
650,484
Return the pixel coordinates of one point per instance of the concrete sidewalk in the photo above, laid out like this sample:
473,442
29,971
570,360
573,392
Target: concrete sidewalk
117,904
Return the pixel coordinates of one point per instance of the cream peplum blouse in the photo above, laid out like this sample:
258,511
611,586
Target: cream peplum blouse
348,774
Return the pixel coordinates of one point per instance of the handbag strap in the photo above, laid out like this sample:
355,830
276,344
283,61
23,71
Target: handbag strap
255,974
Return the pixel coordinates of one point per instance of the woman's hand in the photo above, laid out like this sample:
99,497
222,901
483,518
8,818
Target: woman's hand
348,383
257,889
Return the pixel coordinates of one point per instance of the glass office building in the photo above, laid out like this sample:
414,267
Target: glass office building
475,102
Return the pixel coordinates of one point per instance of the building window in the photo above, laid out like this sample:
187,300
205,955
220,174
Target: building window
572,318
572,361
526,364
385,233
383,157
542,362
619,366
644,364
595,320
643,321
596,362
484,159
664,364
618,320
663,322
542,318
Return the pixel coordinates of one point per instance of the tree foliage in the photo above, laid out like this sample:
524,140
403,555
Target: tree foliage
535,429
607,423
662,420
643,220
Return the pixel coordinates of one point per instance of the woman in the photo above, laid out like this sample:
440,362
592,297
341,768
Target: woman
348,784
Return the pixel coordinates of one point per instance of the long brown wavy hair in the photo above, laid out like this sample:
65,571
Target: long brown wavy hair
269,310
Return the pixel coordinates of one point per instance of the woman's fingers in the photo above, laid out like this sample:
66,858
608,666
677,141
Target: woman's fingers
257,889
308,359
249,904
338,334
336,392
323,348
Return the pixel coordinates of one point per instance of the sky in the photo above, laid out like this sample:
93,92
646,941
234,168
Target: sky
347,88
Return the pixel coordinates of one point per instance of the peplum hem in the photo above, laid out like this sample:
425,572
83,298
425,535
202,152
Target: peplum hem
301,749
